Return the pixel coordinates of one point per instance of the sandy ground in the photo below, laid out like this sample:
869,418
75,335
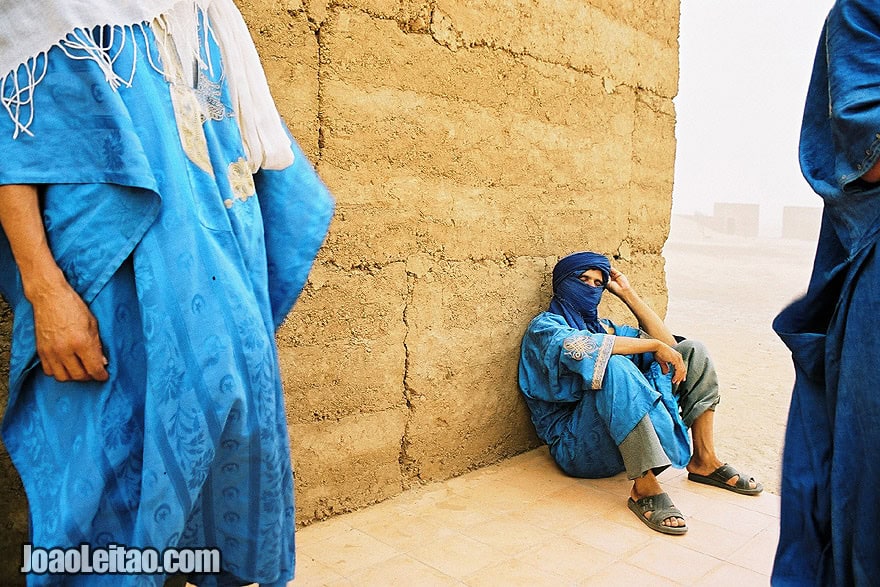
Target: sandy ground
725,291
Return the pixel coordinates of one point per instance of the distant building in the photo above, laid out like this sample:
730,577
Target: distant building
801,222
735,219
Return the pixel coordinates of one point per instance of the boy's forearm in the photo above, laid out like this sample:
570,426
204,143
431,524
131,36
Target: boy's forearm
627,345
648,319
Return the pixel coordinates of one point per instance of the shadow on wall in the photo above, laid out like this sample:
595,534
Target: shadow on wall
13,504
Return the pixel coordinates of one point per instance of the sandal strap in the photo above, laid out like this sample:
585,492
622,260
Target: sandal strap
661,507
726,472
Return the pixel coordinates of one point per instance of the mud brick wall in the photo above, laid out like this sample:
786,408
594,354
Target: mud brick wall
469,144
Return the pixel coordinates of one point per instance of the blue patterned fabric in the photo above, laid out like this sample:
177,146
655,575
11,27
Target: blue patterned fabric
189,264
576,301
584,401
830,501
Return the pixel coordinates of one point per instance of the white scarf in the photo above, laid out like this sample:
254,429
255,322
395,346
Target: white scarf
30,28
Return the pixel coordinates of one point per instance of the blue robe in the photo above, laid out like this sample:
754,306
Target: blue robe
830,521
584,401
189,263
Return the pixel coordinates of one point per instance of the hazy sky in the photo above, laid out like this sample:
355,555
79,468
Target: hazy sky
745,66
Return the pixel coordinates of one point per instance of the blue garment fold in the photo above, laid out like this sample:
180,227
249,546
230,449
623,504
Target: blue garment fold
830,506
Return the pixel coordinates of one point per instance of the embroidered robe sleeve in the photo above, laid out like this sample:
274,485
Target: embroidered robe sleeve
558,363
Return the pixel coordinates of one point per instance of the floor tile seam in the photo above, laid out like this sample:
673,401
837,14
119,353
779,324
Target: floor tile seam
718,563
650,539
545,486
563,530
725,560
746,502
750,534
488,562
748,545
557,574
720,559
626,487
614,559
657,577
542,542
323,572
613,556
299,531
460,580
408,550
739,502
696,549
660,539
362,521
411,557
746,536
417,509
468,580
763,573
459,526
749,504
358,567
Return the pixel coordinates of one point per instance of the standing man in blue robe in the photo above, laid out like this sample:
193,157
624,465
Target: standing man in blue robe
158,223
830,522
608,398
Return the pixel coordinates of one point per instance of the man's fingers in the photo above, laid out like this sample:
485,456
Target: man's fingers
49,368
84,362
87,362
94,365
75,369
56,369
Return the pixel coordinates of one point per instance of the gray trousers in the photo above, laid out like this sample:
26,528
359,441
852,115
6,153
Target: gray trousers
641,449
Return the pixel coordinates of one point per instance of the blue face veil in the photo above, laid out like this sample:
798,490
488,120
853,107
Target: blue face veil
575,300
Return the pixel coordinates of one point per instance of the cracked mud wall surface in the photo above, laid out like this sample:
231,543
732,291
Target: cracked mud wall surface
468,144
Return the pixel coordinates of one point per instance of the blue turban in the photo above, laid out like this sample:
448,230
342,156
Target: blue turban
575,300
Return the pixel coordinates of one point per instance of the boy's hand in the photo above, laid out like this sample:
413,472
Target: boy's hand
669,357
618,284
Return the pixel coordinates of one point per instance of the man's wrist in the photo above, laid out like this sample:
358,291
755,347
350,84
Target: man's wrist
43,282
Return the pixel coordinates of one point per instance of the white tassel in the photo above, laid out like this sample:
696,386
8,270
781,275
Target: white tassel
22,97
265,140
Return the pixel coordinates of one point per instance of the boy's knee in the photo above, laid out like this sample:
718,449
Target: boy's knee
692,348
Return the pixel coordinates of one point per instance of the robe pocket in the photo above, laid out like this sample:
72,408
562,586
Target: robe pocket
211,205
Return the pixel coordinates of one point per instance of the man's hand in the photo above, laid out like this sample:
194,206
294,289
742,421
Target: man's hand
68,342
67,333
618,284
669,357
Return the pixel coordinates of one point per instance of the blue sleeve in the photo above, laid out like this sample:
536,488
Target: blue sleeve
852,51
557,362
840,136
296,208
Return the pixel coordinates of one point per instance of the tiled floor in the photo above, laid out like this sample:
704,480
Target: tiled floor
523,522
